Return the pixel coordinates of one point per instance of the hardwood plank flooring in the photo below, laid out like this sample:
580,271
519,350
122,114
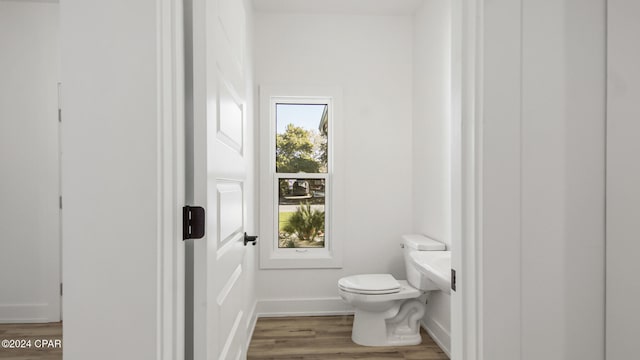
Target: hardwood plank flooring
287,338
35,333
326,338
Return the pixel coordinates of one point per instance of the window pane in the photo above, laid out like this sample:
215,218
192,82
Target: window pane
302,132
301,213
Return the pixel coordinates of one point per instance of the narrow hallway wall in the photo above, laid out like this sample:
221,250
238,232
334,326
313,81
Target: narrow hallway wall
29,162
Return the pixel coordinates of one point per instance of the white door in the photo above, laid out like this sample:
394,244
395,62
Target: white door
219,173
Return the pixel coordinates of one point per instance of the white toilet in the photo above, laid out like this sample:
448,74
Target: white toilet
387,311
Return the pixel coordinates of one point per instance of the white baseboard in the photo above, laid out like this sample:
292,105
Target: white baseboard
439,334
303,307
25,313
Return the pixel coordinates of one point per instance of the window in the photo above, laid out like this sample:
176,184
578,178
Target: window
297,190
301,150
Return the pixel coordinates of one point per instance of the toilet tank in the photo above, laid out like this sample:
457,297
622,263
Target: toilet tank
416,242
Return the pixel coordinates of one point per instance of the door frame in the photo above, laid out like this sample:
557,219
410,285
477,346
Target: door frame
171,174
466,172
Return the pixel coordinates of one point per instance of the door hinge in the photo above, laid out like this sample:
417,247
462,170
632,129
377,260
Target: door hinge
453,279
192,222
60,202
60,289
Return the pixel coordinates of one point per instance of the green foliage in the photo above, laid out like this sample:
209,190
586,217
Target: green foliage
324,152
307,224
283,187
294,151
320,149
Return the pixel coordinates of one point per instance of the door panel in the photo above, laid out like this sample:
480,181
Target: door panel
231,115
229,210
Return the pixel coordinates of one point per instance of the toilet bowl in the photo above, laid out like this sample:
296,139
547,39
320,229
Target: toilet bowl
387,311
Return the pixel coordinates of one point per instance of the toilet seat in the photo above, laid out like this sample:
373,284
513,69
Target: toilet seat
370,284
365,292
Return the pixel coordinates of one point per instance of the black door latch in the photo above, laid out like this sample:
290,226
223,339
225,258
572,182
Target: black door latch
453,279
252,239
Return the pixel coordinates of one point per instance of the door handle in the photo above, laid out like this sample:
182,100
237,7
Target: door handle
252,239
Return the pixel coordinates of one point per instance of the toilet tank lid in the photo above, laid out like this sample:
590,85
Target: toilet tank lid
422,243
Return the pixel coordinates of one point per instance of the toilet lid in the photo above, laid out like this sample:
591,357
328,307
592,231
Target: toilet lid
365,292
370,284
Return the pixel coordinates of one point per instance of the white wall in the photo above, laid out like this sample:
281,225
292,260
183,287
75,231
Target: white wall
431,133
112,179
542,181
431,137
623,180
29,185
370,58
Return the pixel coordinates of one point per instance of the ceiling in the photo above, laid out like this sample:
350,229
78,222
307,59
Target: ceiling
364,7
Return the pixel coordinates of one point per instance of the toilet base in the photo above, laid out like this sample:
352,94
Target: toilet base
398,326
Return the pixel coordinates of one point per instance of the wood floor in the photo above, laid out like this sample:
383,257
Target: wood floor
326,338
287,338
36,349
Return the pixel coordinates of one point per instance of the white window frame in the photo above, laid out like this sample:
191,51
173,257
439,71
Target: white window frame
271,256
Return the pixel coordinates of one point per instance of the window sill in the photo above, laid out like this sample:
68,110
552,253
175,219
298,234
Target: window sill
292,259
